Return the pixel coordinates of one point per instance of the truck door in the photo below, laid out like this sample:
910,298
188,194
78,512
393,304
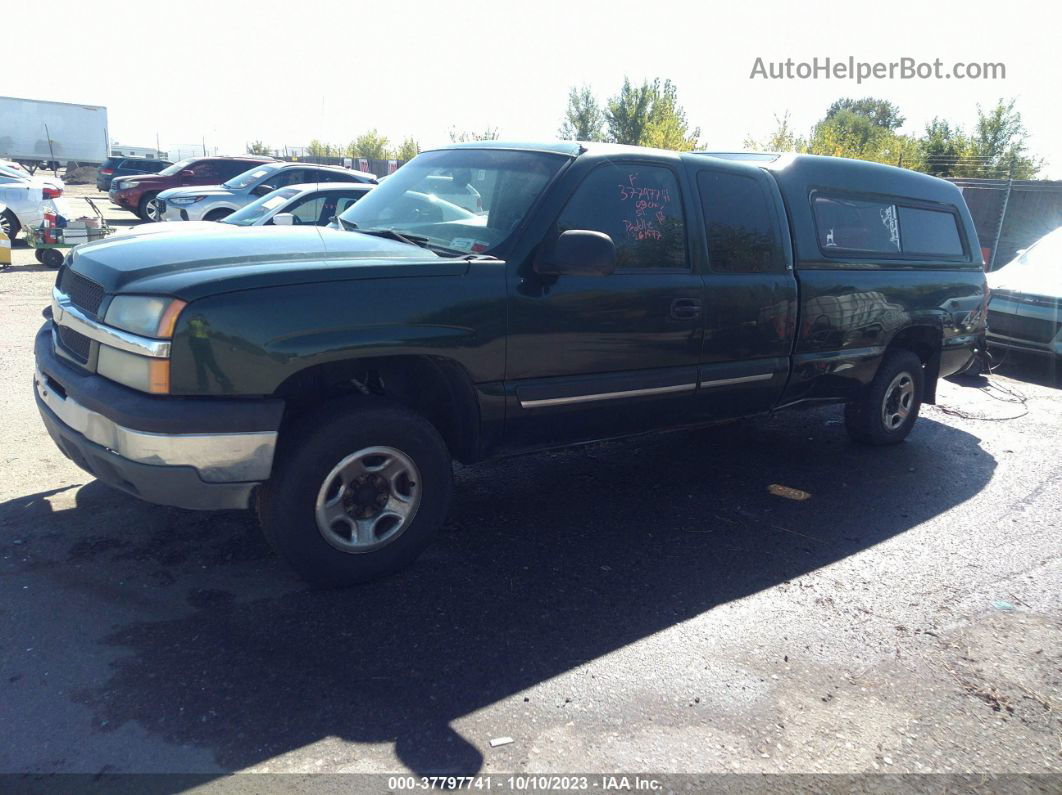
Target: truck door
750,294
594,356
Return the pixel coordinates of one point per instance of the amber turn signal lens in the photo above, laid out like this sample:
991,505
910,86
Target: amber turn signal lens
169,318
159,377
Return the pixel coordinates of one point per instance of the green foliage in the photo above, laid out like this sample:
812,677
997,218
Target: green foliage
584,119
316,148
1000,143
867,129
370,145
628,112
878,112
783,139
258,148
649,115
408,150
489,134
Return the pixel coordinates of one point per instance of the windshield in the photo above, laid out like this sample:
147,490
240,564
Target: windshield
260,208
1045,254
464,201
177,167
250,176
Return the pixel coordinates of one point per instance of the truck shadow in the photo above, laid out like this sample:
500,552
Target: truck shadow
548,561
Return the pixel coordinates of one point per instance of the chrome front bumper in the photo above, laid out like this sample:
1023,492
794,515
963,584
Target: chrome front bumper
216,457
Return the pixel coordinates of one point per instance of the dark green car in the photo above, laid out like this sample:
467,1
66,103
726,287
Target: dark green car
328,376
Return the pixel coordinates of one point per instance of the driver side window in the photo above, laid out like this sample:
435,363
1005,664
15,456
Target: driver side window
639,207
307,210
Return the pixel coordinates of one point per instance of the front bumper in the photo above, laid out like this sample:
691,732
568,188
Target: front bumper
191,453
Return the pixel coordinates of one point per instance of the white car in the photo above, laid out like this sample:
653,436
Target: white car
313,204
26,198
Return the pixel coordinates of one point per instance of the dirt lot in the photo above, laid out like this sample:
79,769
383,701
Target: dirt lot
645,605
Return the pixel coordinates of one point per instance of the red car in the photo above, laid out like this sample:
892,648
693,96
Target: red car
137,193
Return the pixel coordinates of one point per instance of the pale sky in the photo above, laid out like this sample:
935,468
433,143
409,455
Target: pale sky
287,72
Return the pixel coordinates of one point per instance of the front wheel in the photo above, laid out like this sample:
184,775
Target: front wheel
9,225
888,407
50,257
358,490
149,209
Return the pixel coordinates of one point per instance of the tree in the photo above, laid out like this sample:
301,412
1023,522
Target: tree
1000,143
850,134
488,134
316,148
947,150
408,150
879,112
627,113
668,128
258,148
370,145
584,120
783,139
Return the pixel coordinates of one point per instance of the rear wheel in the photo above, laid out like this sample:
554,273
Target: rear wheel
217,215
888,407
9,224
149,209
357,491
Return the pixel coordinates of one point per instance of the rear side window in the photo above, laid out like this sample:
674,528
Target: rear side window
929,232
639,207
868,227
742,237
856,225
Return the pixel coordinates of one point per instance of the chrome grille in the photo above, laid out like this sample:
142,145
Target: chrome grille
84,293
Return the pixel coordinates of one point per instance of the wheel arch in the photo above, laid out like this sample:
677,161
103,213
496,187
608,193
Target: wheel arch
437,388
926,342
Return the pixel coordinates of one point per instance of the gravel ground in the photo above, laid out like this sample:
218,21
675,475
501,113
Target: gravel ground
647,605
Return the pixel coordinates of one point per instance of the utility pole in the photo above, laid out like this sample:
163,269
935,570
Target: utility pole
204,145
1002,215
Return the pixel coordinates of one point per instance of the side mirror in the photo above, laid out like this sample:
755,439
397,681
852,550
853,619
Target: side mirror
284,219
188,173
579,251
262,190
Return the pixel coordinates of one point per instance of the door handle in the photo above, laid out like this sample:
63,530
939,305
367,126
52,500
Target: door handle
685,309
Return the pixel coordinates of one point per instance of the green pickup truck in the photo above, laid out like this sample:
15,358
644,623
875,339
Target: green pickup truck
496,298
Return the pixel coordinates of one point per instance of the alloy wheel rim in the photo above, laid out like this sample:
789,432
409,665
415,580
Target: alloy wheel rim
152,209
899,398
368,499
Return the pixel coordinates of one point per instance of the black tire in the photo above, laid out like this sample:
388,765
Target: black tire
217,215
310,451
52,258
9,223
39,254
886,411
143,209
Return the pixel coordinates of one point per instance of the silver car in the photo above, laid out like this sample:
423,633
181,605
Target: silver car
1025,309
314,205
214,202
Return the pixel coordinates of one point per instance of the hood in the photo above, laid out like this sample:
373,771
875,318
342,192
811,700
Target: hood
200,190
175,228
208,262
1018,277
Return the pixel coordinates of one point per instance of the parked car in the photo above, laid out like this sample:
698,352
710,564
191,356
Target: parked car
216,201
456,190
139,194
114,167
316,204
26,199
11,172
329,376
1025,311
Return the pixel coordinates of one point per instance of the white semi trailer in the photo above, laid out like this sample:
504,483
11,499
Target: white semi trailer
35,132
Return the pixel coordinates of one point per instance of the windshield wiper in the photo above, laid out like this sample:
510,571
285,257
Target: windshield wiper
412,240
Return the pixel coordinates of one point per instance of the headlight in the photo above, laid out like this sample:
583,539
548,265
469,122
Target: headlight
124,185
138,372
147,315
184,200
